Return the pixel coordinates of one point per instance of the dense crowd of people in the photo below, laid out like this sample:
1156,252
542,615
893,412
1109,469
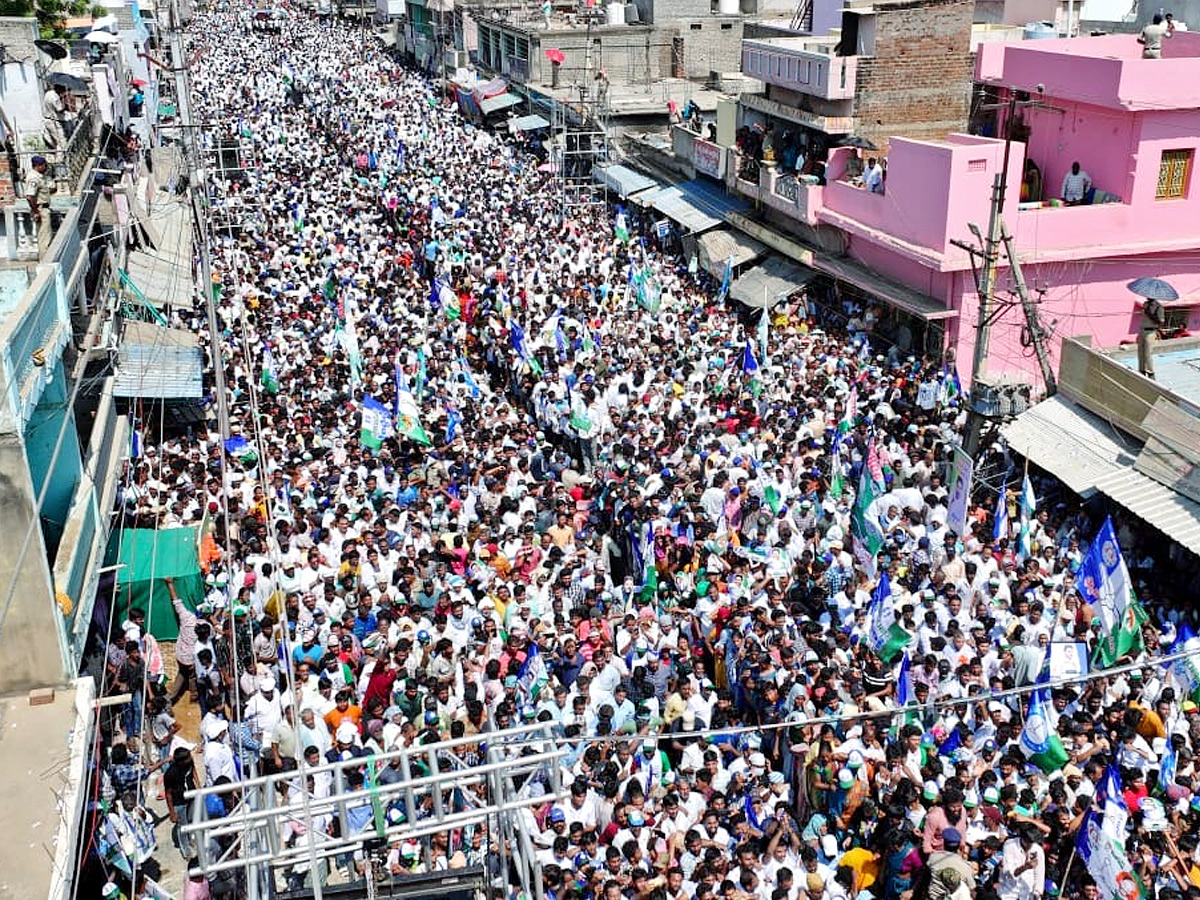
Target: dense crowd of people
489,466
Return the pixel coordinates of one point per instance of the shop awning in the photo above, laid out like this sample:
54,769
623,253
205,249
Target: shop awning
885,289
774,280
623,180
890,292
163,271
493,88
1089,455
497,103
696,205
158,362
715,248
528,123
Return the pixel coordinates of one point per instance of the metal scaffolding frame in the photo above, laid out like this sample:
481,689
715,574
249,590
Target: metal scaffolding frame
580,130
491,793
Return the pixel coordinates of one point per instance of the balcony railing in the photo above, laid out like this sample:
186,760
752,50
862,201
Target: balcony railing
81,147
790,194
787,187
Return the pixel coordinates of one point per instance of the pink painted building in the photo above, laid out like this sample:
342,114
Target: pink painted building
1132,124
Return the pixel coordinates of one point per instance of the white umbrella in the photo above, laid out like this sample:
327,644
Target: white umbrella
101,37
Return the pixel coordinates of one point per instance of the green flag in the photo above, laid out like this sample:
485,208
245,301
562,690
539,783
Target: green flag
1039,740
771,495
376,424
270,379
1125,638
863,526
650,584
408,419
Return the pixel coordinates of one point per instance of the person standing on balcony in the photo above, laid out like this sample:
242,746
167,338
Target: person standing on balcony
873,177
39,188
1031,183
56,117
1152,37
1076,185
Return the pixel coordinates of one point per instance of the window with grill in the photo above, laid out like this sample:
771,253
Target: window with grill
1173,173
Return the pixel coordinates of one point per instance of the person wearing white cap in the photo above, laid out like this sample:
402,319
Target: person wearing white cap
218,757
346,743
264,710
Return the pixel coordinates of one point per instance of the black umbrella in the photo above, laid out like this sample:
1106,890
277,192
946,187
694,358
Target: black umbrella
860,142
70,82
51,49
1153,289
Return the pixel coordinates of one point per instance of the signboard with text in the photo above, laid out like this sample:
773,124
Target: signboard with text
708,158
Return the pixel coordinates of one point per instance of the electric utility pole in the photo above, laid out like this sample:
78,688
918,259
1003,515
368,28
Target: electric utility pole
985,260
198,193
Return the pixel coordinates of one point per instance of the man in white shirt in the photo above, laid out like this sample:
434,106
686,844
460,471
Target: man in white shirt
1076,185
218,758
1022,868
873,177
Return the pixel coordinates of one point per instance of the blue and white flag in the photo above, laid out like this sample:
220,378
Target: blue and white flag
377,423
1000,529
1166,771
764,324
1028,509
1039,740
1104,858
468,378
1104,583
135,443
1186,670
453,421
1112,804
885,635
749,363
516,336
726,279
904,685
532,676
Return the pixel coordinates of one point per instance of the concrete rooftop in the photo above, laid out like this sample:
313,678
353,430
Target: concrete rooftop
42,758
1176,368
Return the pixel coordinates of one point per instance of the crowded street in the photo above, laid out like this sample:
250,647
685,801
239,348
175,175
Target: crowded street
494,462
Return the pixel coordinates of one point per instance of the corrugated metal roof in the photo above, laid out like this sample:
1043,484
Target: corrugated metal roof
495,104
695,205
528,123
772,281
1088,454
162,363
714,248
622,179
164,273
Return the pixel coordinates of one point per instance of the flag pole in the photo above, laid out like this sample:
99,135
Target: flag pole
1067,869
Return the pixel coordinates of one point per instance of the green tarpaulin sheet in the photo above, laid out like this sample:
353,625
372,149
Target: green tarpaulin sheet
147,556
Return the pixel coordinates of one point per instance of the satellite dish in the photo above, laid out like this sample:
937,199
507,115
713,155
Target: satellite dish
51,48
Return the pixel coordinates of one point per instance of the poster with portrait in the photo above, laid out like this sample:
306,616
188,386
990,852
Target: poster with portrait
1068,660
958,502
